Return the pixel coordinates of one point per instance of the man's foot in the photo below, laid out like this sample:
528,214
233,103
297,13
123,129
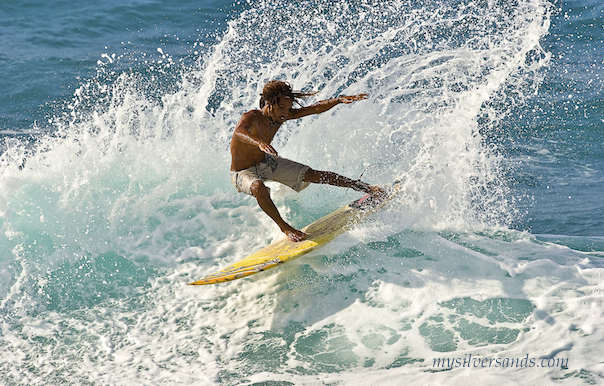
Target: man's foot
378,195
377,192
295,235
375,196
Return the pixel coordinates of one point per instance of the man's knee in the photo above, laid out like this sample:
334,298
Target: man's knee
258,189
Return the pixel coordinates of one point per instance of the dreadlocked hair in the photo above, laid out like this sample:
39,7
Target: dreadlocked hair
275,89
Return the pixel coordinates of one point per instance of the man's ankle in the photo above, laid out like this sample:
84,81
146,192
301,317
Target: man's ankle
361,186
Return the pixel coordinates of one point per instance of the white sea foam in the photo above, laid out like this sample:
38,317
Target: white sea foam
108,218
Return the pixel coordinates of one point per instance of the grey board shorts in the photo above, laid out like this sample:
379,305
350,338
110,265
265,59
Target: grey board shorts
272,168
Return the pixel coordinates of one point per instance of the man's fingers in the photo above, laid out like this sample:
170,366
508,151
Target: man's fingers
353,98
269,149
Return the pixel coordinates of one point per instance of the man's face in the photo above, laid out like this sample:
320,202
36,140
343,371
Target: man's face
281,110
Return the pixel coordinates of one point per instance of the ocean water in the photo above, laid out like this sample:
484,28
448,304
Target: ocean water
115,120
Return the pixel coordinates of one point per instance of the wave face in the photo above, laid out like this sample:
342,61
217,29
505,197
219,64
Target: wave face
124,196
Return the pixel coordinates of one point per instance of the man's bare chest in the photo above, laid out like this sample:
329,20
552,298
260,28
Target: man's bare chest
267,132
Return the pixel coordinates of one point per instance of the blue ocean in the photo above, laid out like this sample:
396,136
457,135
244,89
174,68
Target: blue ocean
115,122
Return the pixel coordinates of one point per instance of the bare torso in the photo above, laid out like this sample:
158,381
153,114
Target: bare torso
245,155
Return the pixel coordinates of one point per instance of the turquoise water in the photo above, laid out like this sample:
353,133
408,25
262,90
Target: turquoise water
115,120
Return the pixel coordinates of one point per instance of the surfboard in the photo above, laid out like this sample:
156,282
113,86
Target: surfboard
320,232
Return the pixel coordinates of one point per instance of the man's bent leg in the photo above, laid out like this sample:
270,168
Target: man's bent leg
260,191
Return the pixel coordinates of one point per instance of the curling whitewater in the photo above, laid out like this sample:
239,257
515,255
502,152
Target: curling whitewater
124,198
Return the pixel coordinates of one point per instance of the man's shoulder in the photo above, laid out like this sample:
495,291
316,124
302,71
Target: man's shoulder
252,114
251,117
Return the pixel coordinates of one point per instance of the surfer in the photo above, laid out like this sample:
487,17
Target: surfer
254,160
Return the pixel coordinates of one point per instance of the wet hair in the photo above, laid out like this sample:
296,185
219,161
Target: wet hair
275,89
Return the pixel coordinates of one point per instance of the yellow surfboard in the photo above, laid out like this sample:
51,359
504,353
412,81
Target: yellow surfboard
319,233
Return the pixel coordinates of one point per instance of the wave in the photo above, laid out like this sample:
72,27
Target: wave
128,197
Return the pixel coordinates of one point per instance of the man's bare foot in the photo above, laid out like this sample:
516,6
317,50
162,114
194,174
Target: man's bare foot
378,192
295,235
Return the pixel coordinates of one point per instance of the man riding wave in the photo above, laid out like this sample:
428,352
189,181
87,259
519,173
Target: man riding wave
255,161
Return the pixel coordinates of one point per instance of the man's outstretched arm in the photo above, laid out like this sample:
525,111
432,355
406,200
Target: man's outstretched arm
323,106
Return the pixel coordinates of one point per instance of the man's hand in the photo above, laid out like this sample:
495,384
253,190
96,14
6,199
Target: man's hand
351,98
268,149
